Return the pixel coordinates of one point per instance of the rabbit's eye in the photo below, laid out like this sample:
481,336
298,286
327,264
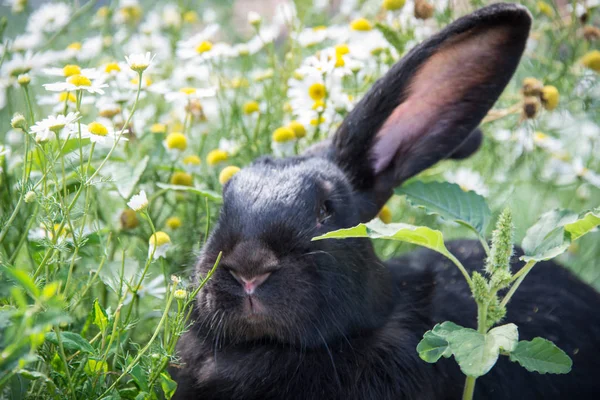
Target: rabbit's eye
324,212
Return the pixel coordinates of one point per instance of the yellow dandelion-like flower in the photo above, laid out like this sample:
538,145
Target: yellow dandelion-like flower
361,24
592,60
182,179
203,47
176,140
317,91
251,107
192,160
216,156
174,222
298,128
283,134
550,97
385,215
392,5
228,173
158,128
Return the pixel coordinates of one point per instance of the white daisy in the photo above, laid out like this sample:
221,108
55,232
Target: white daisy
199,45
467,180
139,62
100,133
77,82
63,125
138,202
189,93
49,17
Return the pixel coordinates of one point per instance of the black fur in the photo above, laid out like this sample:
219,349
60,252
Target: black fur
332,321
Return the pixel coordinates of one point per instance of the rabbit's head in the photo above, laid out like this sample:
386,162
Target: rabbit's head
273,282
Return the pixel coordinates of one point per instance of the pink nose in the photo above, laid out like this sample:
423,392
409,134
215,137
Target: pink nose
250,284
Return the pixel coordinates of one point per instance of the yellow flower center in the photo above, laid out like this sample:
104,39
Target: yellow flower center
251,107
216,156
70,70
74,46
317,91
98,129
592,60
540,136
339,61
182,179
79,80
385,215
174,222
545,9
192,160
66,96
361,24
319,28
203,47
317,121
176,140
158,128
341,49
110,67
237,83
392,5
228,173
298,128
188,90
318,104
550,97
160,238
283,134
190,17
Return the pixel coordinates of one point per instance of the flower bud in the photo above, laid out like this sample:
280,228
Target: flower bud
18,121
30,196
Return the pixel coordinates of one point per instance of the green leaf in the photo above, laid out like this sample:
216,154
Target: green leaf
505,336
211,195
432,347
541,355
124,178
474,352
73,144
450,202
420,235
168,385
391,36
23,279
555,230
100,317
71,341
584,224
140,377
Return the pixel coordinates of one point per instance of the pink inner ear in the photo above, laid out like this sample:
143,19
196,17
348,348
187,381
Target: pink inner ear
463,62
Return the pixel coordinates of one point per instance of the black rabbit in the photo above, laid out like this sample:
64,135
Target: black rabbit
288,318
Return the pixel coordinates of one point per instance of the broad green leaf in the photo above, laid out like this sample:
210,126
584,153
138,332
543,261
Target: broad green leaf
168,385
73,144
541,355
432,347
450,202
584,224
124,176
474,352
421,235
505,336
211,195
71,341
552,234
100,317
140,377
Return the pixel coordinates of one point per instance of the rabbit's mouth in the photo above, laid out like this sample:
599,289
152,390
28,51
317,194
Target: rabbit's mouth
254,309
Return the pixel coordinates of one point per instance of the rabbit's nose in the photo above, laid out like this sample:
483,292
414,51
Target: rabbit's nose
250,284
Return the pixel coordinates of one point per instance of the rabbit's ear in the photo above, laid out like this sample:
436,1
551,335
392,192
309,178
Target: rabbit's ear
428,106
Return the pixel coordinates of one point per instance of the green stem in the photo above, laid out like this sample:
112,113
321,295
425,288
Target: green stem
460,266
519,276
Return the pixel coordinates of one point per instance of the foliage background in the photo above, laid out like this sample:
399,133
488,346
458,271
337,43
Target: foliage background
90,281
